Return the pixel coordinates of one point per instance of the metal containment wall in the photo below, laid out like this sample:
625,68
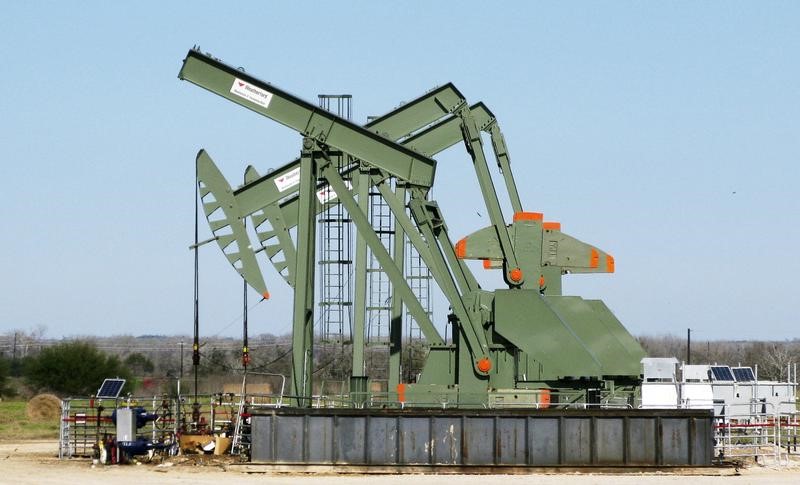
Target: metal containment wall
602,437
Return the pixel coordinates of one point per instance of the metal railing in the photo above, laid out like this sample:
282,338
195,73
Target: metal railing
249,401
82,425
87,421
761,431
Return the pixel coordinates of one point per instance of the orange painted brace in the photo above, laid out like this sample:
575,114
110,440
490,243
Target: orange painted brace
594,259
265,295
609,263
401,392
484,365
552,226
487,264
461,249
528,216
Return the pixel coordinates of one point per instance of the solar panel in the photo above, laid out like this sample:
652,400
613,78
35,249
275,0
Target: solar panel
721,373
111,388
743,374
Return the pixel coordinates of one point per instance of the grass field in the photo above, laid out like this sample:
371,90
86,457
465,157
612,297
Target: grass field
15,425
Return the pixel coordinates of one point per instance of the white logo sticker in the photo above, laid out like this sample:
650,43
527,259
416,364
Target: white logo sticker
251,93
327,194
288,180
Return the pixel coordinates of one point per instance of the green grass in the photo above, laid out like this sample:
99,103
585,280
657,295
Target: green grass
15,425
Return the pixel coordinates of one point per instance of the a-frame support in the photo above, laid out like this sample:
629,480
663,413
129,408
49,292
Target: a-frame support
303,317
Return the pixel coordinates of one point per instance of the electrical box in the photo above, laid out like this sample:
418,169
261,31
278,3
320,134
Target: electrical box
126,425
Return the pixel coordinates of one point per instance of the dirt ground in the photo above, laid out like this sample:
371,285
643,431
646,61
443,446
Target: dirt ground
36,462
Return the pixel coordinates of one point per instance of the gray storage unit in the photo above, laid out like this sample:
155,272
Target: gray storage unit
608,437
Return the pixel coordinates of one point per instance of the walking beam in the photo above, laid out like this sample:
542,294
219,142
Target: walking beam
309,120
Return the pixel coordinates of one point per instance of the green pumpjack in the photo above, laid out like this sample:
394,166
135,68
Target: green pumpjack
525,344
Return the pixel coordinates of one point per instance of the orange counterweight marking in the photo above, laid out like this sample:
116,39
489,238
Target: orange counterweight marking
516,275
528,216
484,365
544,398
594,259
609,263
552,226
461,248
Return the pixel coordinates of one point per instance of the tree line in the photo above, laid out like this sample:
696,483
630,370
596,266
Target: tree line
153,364
772,358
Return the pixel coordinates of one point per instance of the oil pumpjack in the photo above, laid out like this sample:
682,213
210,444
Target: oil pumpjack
524,345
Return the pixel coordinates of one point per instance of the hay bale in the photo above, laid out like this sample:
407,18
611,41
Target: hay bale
44,408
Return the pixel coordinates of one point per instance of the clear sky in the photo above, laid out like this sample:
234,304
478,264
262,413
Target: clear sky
666,133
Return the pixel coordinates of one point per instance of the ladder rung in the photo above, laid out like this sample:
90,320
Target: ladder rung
335,341
335,219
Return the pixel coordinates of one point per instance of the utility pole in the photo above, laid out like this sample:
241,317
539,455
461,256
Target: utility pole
689,346
179,405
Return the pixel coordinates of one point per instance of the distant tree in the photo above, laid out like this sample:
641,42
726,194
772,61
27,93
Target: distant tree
216,361
139,364
416,352
772,359
73,368
5,371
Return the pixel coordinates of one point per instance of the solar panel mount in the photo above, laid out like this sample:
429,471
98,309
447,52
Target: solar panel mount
743,374
111,388
722,373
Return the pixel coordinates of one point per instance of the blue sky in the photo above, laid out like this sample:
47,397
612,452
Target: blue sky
666,133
